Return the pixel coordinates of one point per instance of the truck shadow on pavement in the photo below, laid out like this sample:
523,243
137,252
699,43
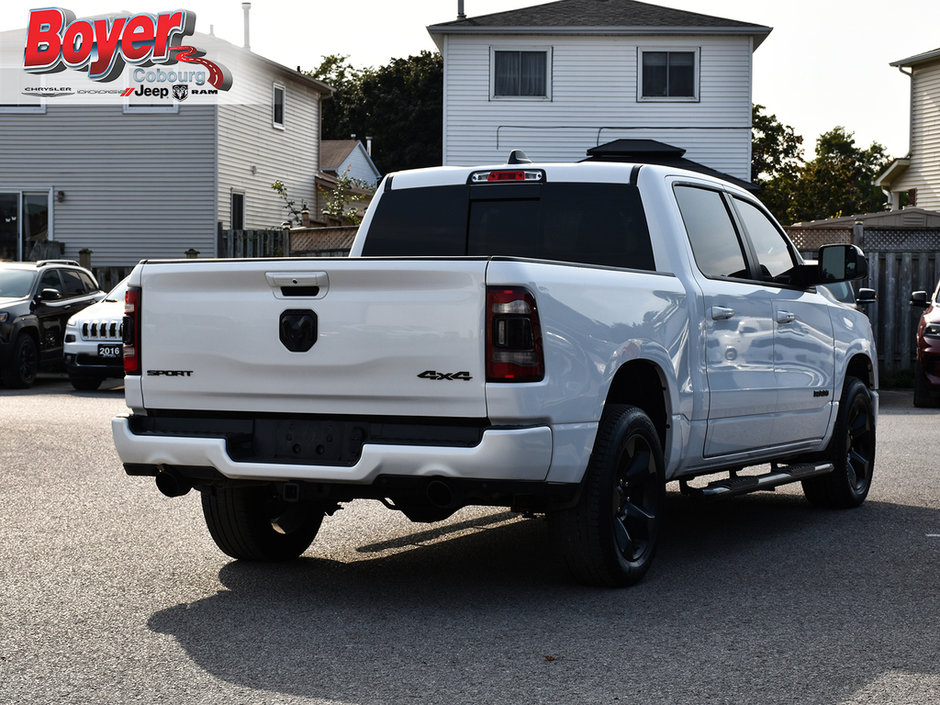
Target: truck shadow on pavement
761,599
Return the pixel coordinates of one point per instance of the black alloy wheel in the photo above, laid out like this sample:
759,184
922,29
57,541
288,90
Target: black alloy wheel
609,537
851,451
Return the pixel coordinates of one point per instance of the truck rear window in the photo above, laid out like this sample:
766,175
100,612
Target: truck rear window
569,222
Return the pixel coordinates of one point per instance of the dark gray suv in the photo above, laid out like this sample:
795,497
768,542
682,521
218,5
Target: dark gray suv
36,301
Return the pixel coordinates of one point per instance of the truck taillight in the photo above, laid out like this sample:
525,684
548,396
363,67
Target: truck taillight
131,333
513,336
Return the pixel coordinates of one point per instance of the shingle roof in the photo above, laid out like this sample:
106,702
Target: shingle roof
585,15
333,152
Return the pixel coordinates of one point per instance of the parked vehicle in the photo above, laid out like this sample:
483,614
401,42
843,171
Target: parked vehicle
94,349
559,338
36,301
927,366
845,292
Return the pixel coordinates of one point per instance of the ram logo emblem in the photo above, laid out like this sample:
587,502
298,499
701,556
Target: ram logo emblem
298,330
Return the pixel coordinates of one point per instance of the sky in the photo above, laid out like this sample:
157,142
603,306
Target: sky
825,64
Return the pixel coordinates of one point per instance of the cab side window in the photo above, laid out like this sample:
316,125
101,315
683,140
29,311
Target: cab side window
74,286
88,283
715,243
50,280
774,256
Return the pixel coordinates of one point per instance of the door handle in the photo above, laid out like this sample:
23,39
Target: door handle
721,313
785,317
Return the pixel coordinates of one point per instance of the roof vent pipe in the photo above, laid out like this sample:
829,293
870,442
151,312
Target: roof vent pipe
246,6
460,12
369,145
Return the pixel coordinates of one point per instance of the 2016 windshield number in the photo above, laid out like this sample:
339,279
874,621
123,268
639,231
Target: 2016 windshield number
442,376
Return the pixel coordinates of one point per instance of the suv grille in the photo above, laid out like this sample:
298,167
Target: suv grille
102,330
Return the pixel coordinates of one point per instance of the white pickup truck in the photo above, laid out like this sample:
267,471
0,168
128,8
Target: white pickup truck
554,338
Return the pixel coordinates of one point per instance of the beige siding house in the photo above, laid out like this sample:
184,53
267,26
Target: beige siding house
918,174
560,78
152,177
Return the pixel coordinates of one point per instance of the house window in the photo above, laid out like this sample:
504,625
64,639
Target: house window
238,211
669,75
9,226
278,116
24,224
520,74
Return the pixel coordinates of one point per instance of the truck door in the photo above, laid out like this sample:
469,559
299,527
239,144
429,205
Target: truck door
738,324
804,359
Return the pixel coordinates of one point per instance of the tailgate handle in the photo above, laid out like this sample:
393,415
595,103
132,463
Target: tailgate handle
289,285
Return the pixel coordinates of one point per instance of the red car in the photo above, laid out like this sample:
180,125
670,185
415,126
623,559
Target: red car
927,367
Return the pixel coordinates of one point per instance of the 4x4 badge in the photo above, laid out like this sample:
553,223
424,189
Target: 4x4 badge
442,376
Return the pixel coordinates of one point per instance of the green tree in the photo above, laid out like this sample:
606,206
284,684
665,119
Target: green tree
776,149
839,180
776,159
400,105
340,198
294,214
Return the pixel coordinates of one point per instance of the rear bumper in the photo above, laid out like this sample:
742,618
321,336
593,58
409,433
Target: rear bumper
502,454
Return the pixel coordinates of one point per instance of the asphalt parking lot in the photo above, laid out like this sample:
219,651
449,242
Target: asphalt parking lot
113,593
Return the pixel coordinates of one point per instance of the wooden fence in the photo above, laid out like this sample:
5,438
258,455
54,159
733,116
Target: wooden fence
300,242
253,243
900,260
322,242
110,277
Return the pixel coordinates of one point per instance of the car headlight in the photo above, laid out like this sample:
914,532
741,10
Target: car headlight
931,329
4,315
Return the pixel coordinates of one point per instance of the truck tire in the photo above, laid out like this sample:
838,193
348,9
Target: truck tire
609,537
851,450
24,363
255,524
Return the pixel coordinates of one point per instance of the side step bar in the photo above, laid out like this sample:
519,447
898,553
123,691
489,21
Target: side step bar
778,475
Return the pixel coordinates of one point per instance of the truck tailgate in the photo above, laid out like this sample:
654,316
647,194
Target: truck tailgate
390,337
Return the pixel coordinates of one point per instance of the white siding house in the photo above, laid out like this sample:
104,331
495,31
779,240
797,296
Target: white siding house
918,174
129,181
558,79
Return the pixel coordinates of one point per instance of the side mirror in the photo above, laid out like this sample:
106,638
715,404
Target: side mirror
49,295
838,263
920,299
866,296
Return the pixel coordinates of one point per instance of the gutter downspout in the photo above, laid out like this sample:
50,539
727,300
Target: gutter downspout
910,114
896,201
